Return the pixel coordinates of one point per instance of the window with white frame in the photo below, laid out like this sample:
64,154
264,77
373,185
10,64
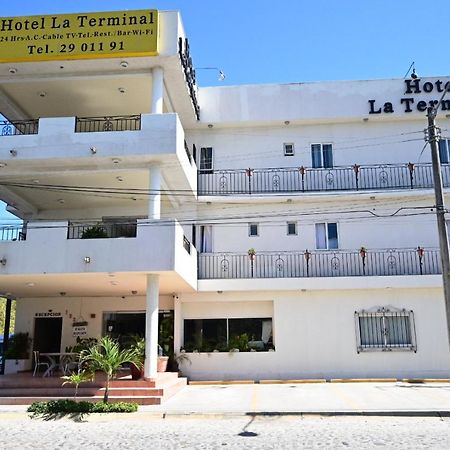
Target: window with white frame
253,229
206,159
444,151
327,236
322,155
288,149
292,228
385,329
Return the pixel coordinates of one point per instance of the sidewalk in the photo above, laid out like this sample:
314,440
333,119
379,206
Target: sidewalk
371,398
349,398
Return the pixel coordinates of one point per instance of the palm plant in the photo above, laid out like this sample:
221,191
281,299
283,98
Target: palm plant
76,378
108,357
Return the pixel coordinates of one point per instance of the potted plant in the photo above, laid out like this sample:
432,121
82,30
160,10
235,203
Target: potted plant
94,232
251,253
137,370
18,353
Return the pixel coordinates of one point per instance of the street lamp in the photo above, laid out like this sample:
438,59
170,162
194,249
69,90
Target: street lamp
433,138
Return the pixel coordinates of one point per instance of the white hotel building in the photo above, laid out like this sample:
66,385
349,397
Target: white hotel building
143,193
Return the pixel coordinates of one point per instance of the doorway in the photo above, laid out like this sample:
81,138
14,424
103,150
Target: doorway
47,334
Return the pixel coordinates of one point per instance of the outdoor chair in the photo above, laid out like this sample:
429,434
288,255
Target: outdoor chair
38,363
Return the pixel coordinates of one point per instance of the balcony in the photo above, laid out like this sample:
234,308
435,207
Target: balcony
304,179
55,251
19,127
320,263
104,124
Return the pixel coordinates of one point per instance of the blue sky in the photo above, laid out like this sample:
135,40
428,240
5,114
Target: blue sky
261,41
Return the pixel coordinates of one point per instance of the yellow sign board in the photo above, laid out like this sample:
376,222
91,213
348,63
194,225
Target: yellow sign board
79,36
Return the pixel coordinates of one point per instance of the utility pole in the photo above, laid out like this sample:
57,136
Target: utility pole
433,139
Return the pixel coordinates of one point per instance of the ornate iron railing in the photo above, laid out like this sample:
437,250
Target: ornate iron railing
319,263
189,73
101,230
19,127
302,179
13,234
110,123
188,152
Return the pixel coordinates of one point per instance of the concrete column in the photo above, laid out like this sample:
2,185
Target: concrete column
151,327
154,199
157,90
177,325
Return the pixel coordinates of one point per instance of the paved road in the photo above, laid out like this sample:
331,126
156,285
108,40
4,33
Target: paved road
141,431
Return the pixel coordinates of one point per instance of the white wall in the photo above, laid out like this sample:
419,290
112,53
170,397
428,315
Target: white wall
307,102
314,336
72,308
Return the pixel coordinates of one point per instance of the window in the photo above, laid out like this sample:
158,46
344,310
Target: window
444,151
288,149
326,236
245,334
205,239
292,228
206,159
385,330
322,155
253,229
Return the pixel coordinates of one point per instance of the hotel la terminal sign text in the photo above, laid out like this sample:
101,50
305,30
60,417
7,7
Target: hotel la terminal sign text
79,36
416,97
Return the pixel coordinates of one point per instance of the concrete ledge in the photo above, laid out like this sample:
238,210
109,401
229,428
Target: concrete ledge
207,383
318,380
363,380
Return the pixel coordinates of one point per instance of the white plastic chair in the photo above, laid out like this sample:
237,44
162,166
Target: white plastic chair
38,363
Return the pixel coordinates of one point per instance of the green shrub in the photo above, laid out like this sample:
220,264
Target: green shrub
94,232
18,346
70,407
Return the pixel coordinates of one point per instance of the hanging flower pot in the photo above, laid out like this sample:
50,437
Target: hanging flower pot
363,252
251,254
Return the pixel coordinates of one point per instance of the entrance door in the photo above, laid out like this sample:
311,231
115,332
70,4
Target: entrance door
47,334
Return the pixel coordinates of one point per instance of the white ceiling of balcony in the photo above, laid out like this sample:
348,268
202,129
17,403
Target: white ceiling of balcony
53,202
76,97
91,88
92,284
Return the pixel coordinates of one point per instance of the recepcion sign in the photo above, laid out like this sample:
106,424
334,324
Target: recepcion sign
79,36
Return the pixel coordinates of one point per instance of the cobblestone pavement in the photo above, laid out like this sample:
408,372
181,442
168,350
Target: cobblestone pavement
141,431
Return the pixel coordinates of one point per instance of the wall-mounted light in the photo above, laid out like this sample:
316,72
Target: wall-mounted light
210,125
3,261
365,119
13,152
62,293
124,64
116,160
93,150
87,259
42,94
119,178
121,90
287,122
2,165
61,201
134,292
12,70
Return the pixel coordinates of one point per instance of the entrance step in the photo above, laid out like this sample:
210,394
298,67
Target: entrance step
25,389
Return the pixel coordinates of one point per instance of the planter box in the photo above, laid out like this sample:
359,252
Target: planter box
17,365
